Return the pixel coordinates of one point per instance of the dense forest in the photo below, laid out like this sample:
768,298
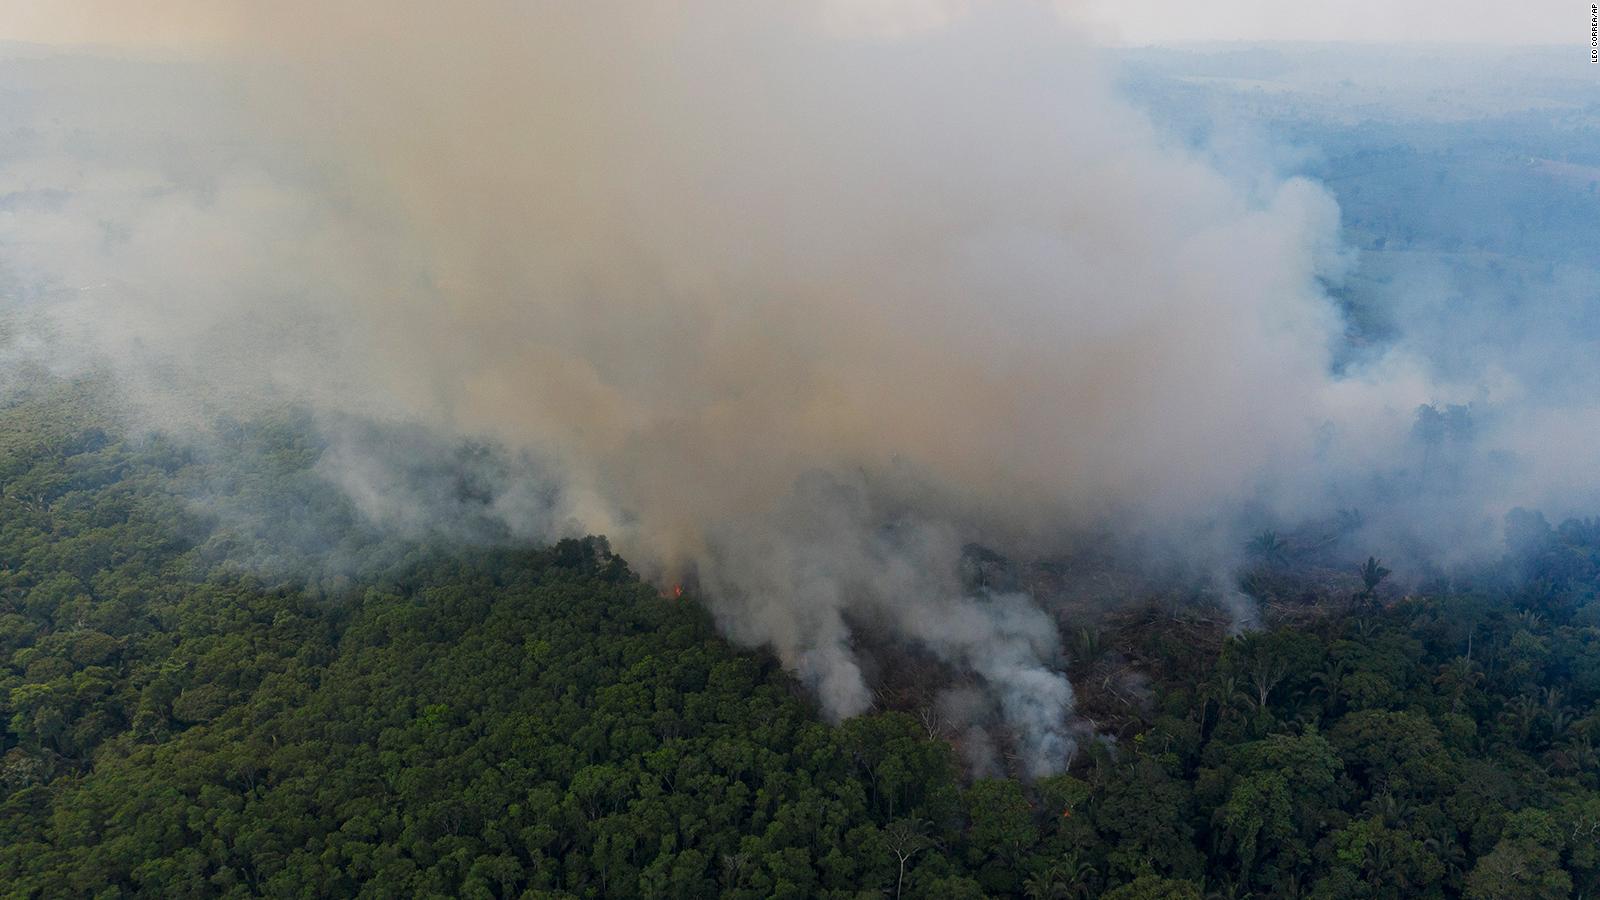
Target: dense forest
201,702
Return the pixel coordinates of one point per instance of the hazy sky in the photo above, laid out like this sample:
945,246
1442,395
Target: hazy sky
1410,21
1110,21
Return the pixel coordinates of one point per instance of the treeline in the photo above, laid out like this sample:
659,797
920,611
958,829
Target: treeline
188,708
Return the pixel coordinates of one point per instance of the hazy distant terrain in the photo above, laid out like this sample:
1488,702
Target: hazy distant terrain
1466,179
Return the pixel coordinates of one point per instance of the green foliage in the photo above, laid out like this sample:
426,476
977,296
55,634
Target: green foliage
216,680
1524,865
1150,887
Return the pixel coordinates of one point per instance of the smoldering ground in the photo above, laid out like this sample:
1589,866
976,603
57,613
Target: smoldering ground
799,298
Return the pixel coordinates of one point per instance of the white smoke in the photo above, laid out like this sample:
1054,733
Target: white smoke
801,298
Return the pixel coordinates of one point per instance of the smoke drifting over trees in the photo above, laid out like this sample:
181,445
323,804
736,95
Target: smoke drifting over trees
797,299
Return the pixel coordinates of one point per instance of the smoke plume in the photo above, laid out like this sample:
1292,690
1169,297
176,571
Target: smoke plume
797,298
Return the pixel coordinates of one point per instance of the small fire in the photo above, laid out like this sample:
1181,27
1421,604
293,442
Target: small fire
675,592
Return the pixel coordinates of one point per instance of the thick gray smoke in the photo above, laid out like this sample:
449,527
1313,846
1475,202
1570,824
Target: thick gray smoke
798,298
826,555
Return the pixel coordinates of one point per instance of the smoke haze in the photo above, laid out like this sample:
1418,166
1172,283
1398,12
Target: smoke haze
797,299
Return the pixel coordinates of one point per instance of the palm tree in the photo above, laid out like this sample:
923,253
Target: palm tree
1458,676
1396,813
1064,879
1068,878
1078,873
1365,627
1329,682
1520,714
1372,574
1448,851
1045,884
1227,693
1269,548
1087,645
1580,752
